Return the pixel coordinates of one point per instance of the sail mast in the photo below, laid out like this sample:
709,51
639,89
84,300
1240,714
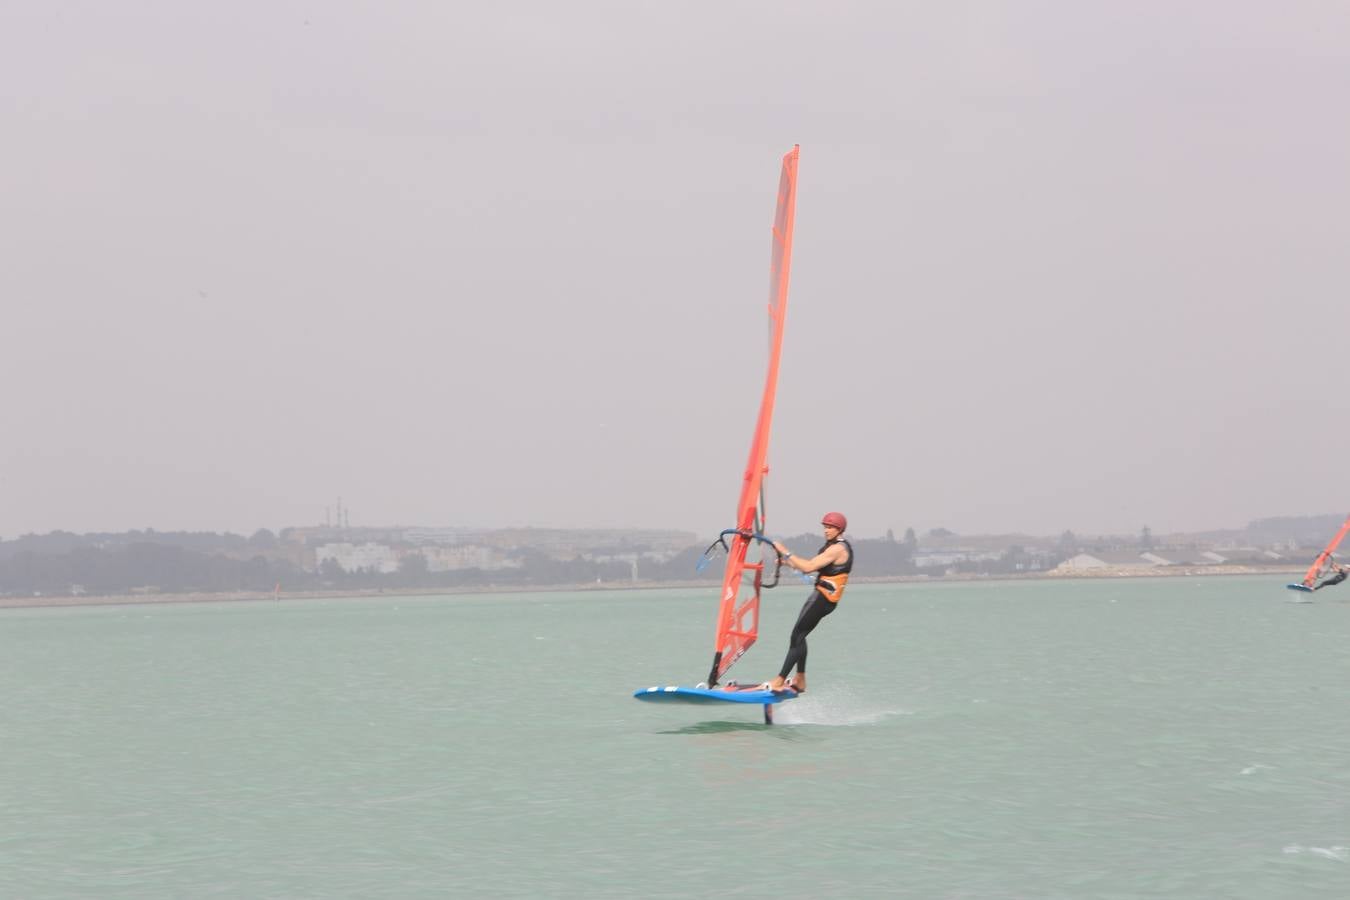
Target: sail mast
737,619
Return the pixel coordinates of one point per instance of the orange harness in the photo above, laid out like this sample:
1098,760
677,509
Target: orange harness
830,581
831,587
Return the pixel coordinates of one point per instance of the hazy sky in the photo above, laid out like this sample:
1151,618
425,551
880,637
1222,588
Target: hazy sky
1057,264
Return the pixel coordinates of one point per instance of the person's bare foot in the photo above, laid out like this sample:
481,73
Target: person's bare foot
776,684
798,683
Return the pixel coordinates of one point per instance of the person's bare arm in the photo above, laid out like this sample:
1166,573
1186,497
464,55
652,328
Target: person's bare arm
833,554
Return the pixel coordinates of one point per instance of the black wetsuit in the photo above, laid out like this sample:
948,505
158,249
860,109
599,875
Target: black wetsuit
1333,580
830,583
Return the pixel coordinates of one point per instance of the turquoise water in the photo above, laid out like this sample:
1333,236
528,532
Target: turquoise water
1181,737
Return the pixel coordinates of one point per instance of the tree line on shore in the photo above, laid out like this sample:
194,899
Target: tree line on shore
63,562
174,562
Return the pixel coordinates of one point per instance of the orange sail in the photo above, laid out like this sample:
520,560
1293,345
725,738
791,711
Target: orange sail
1324,559
738,613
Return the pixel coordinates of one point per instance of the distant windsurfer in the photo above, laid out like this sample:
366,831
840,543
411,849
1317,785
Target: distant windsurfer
1341,573
832,564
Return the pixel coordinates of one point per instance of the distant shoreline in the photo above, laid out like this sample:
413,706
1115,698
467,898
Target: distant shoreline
54,601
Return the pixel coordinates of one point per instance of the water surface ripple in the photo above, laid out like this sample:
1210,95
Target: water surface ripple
1170,737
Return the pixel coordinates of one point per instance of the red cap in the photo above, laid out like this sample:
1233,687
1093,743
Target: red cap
836,519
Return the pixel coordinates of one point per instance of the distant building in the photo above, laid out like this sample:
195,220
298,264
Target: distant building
444,536
369,557
564,544
1105,560
1139,560
1184,556
950,556
466,556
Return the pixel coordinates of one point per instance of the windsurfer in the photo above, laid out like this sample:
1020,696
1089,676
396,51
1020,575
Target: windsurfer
1341,573
832,564
1325,563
